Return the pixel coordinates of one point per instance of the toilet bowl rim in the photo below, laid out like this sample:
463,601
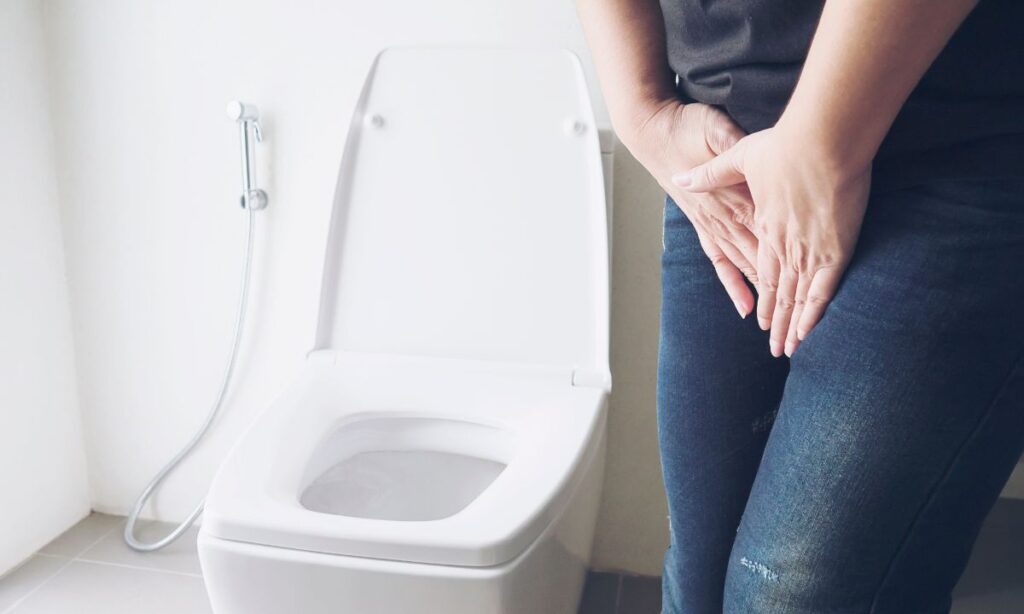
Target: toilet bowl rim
501,521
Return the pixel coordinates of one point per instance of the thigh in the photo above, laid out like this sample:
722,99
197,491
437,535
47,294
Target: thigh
718,390
901,419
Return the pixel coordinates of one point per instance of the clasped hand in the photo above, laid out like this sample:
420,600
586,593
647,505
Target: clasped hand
808,207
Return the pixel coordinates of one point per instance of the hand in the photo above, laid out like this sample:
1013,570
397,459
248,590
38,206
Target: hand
808,212
674,136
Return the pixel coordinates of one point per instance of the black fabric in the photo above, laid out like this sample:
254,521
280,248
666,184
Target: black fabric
964,119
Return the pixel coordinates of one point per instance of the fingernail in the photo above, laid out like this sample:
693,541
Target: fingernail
682,179
740,310
762,322
790,348
775,347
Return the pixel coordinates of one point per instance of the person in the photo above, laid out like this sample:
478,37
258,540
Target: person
850,174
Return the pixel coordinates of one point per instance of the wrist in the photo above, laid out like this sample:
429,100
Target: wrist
829,140
635,115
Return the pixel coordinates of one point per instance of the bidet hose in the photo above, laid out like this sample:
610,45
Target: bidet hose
129,528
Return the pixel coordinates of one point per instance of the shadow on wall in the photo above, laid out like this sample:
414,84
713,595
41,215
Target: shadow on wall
632,530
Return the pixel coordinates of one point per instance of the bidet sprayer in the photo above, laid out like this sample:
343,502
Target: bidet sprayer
249,133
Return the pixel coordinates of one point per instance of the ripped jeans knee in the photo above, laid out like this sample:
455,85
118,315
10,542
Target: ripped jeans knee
766,584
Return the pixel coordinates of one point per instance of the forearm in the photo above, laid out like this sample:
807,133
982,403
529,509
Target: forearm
865,59
627,42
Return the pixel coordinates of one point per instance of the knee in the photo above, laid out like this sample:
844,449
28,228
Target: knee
774,583
752,585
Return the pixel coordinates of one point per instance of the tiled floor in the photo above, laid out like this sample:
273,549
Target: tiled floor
88,570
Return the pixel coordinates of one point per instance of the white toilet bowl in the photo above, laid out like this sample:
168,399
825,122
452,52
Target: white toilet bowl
442,450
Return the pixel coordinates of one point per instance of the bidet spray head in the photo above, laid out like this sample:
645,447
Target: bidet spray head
249,133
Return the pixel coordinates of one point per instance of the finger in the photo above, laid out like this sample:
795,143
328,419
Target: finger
740,261
730,276
721,171
740,207
792,340
746,242
767,284
740,203
819,295
784,301
730,216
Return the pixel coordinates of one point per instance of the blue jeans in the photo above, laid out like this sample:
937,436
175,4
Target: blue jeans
854,477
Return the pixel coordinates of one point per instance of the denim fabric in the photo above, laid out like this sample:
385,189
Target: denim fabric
854,477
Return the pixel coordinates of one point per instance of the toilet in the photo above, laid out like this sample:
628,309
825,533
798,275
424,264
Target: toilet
442,449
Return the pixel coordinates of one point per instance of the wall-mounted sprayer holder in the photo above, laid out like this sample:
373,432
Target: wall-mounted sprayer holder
253,199
249,133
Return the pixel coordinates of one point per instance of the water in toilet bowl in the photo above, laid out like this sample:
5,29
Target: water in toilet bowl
401,485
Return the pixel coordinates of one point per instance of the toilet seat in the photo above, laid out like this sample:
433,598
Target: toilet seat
546,426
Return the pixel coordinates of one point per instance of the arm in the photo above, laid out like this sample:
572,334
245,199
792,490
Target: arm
866,57
627,41
810,174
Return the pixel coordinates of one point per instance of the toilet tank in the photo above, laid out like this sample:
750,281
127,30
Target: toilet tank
470,214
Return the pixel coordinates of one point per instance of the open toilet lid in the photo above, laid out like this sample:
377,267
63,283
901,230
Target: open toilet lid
469,219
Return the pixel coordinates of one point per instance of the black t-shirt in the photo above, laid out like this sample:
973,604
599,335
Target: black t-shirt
965,119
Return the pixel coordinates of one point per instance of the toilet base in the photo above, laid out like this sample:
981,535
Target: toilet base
265,580
547,578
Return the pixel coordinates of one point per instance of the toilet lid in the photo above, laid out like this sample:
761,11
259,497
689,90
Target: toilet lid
469,219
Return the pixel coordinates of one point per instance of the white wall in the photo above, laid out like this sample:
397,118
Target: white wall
42,462
148,173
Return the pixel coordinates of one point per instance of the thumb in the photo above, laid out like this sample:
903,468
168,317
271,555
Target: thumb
719,172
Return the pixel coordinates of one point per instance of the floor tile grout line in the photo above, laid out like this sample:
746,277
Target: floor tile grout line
117,526
67,562
138,568
87,546
120,525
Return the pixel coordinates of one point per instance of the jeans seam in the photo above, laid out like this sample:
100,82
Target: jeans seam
663,225
930,498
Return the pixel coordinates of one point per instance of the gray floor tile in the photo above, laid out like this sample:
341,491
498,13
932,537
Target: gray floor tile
179,557
84,534
640,595
94,588
600,593
1006,602
995,565
26,578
